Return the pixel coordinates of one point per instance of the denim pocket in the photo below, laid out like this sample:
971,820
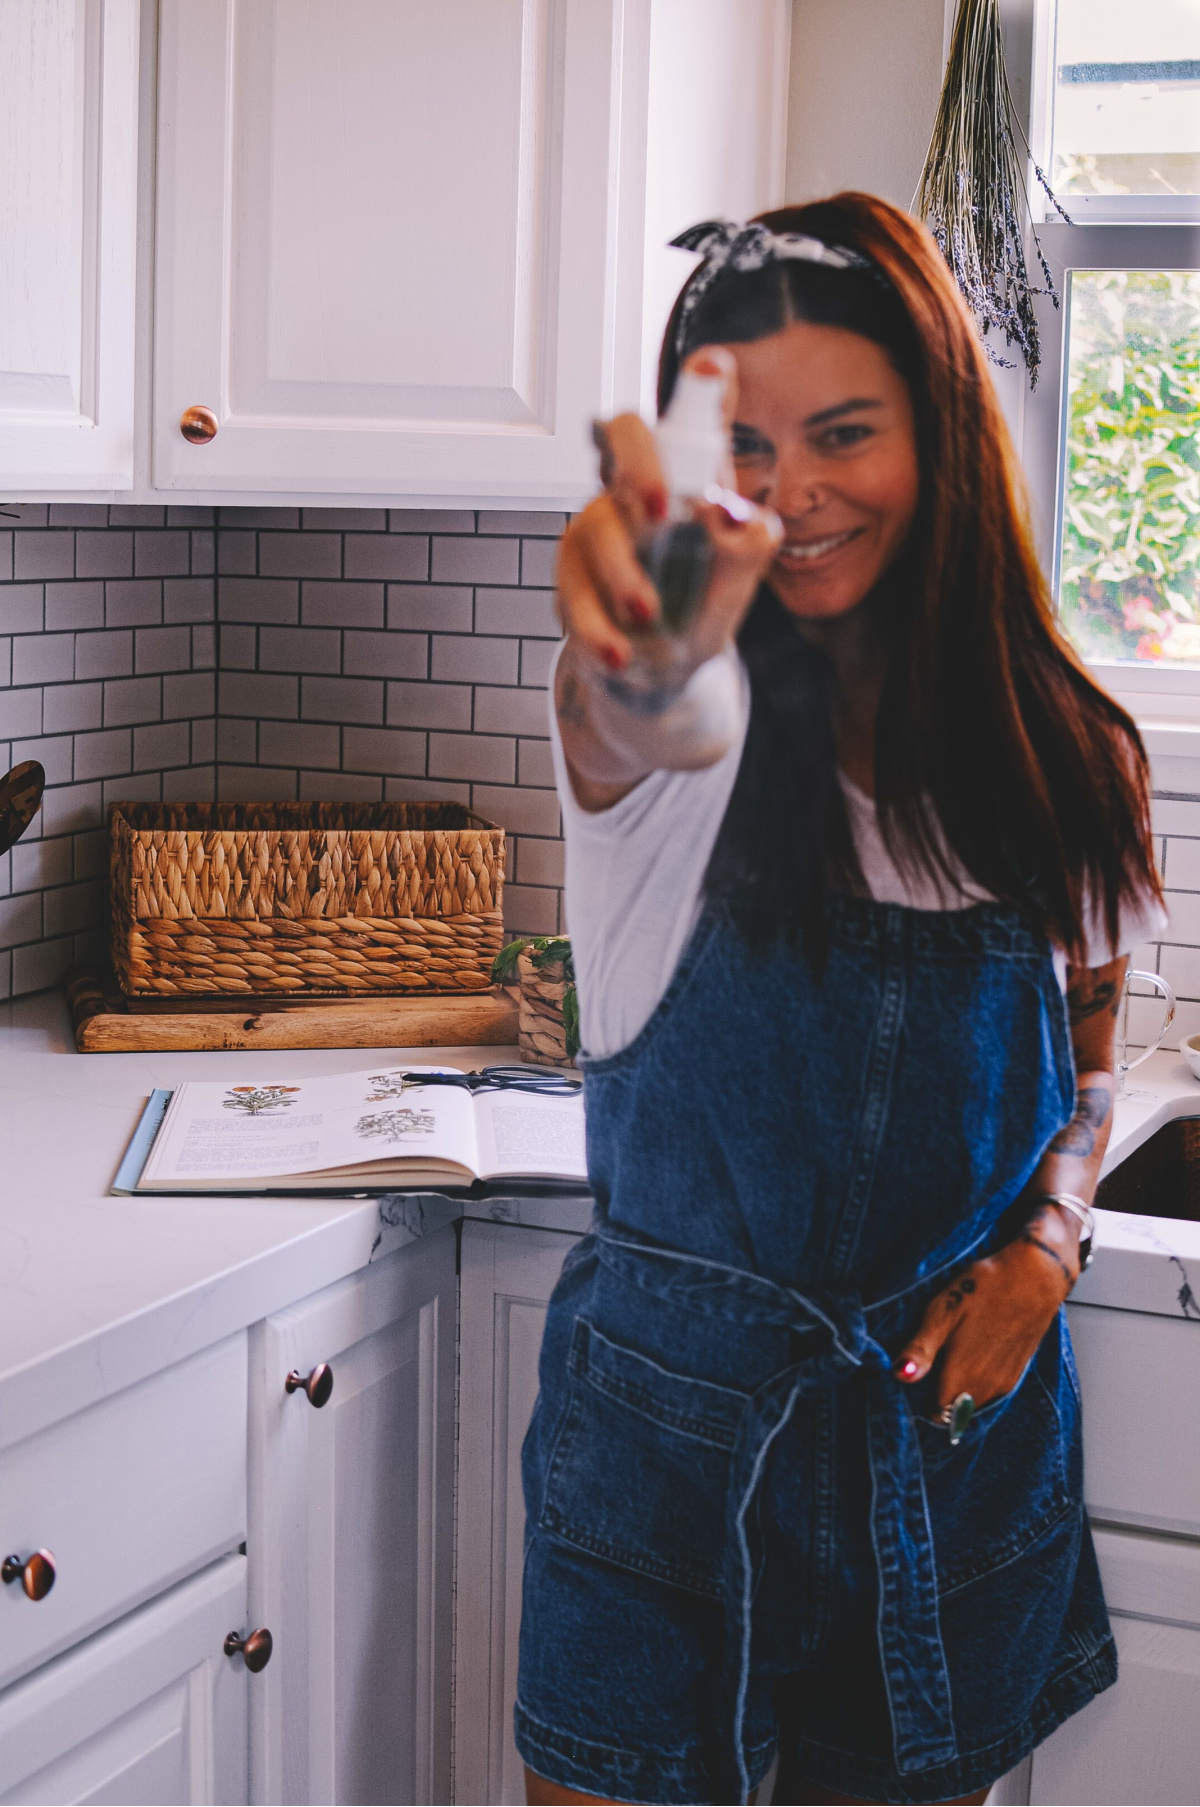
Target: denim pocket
936,1447
997,1492
640,1468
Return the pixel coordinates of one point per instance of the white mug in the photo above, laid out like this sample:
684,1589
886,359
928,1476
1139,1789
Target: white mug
1124,1064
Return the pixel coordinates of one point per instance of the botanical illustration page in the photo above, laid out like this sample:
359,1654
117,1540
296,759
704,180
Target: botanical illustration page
228,1133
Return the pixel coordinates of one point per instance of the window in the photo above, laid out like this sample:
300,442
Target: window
1111,437
1126,100
1129,549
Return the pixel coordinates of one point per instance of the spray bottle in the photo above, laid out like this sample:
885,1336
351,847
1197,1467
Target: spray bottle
677,555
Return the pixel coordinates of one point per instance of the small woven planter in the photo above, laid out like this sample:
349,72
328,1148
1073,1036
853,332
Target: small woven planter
548,1007
304,897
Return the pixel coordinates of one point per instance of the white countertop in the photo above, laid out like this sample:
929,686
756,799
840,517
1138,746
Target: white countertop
97,1292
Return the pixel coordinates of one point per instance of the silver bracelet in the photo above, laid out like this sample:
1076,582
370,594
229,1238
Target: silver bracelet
1085,1215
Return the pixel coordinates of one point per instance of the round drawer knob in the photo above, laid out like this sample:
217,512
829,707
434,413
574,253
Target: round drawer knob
36,1574
198,425
256,1648
317,1386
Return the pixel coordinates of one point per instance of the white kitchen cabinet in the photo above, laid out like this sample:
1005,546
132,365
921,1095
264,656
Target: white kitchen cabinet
68,202
1137,1743
150,1711
351,1536
1137,1471
179,1437
508,1275
412,247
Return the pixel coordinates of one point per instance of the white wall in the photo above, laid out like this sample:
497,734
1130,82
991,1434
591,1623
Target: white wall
865,79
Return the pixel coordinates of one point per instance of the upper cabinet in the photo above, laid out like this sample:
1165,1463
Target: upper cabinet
402,244
68,150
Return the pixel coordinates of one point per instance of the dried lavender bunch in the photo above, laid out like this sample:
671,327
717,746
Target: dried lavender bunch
972,191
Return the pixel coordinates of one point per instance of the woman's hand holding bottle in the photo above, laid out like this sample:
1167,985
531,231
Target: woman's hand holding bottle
635,691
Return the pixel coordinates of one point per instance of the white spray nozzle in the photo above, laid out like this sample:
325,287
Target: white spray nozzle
691,437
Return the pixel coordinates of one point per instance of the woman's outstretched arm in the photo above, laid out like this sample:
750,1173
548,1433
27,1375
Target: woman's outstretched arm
608,607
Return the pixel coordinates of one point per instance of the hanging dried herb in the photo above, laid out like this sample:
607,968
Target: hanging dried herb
972,191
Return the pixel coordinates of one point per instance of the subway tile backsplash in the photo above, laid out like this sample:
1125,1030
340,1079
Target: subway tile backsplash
326,652
267,653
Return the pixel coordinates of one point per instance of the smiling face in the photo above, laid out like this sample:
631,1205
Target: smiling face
825,435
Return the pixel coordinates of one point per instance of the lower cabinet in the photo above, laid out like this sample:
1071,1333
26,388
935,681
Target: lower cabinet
1137,1743
351,1524
508,1275
149,1711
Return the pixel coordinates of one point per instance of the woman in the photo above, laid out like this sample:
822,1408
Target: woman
843,1132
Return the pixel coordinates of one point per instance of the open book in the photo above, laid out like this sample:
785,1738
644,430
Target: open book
373,1130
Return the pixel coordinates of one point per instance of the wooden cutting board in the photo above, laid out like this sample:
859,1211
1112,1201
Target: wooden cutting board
105,1021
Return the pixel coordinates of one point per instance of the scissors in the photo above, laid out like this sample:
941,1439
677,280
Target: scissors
506,1079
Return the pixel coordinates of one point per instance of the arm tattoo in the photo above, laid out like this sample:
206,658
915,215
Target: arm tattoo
1091,1113
571,707
1087,996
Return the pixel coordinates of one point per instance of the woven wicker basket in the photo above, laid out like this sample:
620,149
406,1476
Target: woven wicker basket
541,1031
304,897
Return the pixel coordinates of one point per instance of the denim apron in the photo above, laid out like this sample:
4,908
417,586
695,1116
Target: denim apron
787,1166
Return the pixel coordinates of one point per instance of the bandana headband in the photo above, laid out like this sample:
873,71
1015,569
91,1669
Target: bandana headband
727,244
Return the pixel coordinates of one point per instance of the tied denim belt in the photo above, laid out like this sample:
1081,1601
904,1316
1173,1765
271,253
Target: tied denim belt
910,1644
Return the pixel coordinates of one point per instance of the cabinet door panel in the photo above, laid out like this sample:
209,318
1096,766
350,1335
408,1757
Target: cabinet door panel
384,242
1137,1742
151,1711
68,120
507,1277
351,1530
182,1433
1139,1376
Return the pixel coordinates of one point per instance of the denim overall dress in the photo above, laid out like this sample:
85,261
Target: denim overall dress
743,1534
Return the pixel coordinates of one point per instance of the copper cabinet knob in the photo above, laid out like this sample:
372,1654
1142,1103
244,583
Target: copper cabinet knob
36,1574
318,1385
256,1648
198,425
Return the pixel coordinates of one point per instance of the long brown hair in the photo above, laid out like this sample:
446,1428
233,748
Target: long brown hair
994,745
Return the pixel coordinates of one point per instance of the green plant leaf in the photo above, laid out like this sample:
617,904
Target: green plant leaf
549,949
504,966
570,1015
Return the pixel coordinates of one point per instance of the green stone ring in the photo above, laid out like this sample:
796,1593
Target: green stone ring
957,1416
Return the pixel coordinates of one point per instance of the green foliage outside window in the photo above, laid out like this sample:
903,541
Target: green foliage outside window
1129,585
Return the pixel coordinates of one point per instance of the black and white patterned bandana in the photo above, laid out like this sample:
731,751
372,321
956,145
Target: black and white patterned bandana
732,245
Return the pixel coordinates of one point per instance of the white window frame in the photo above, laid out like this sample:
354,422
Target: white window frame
1086,210
1135,233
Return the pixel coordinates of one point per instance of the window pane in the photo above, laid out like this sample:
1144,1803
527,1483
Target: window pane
1129,585
1127,97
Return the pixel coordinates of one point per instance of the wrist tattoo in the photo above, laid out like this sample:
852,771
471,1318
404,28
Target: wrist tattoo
1037,1243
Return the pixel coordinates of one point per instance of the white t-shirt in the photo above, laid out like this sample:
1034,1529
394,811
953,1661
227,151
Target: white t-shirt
635,877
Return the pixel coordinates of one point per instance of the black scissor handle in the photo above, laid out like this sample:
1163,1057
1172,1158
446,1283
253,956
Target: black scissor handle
546,1081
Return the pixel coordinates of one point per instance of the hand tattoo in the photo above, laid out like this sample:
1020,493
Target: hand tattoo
1088,996
1078,1137
961,1288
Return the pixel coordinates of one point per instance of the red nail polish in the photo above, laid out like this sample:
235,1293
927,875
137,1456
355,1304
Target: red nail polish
656,504
613,658
638,608
908,1370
